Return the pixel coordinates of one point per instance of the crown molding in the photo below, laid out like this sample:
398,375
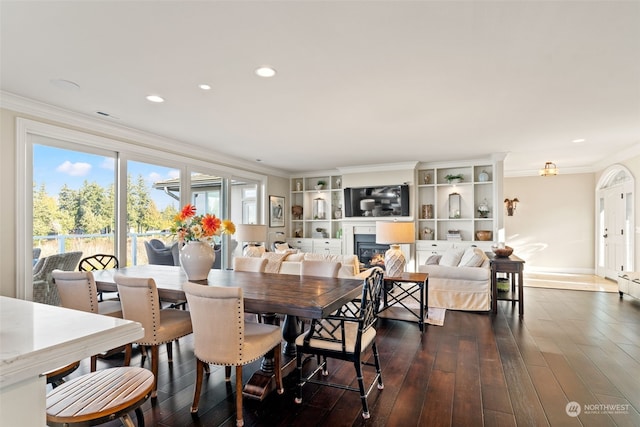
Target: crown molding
536,172
619,157
84,122
378,168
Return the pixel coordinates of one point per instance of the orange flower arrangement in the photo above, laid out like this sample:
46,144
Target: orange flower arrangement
191,227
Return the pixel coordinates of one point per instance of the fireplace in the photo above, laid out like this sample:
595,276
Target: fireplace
370,253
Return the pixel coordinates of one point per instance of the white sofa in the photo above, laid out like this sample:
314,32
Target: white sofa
289,263
459,280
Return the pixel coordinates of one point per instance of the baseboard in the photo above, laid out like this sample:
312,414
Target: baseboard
558,270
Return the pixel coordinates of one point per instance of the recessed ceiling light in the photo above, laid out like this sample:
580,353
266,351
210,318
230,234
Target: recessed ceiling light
155,98
579,140
204,87
266,72
65,84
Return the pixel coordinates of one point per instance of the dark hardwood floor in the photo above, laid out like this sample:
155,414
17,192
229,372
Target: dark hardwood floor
478,369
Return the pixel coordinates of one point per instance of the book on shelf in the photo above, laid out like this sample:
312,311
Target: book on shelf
454,235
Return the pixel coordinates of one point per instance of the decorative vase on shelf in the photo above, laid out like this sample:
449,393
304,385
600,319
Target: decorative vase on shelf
196,259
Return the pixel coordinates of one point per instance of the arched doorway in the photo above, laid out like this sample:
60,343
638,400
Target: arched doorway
615,241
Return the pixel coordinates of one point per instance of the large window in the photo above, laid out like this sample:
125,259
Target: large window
73,200
81,192
151,207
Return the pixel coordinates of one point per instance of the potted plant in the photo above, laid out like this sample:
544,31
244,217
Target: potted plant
451,178
320,184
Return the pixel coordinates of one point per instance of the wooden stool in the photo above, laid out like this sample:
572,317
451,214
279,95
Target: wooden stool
56,377
100,396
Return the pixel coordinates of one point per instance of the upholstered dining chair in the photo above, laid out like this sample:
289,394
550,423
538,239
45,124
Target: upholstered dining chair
345,335
140,303
222,337
319,268
252,264
77,290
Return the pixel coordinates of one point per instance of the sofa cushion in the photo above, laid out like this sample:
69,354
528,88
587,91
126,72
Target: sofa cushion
472,257
451,257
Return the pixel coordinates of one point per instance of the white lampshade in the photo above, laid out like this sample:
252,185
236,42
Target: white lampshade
389,233
395,233
251,233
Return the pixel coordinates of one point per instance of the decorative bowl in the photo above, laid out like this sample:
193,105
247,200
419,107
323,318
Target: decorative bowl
502,252
484,235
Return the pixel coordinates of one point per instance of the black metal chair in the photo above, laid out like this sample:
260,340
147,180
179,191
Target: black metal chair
345,335
98,262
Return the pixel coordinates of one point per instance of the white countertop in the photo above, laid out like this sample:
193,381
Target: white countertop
36,338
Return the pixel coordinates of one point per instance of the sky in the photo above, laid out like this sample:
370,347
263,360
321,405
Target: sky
55,167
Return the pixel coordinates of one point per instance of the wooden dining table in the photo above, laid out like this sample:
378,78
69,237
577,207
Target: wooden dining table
267,294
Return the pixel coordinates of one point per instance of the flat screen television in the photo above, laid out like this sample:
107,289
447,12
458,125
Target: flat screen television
384,200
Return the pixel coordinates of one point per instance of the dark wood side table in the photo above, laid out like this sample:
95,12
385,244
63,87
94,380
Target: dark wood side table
399,301
514,267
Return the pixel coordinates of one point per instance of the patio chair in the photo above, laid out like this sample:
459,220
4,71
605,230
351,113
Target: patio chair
345,335
222,337
36,255
44,290
158,253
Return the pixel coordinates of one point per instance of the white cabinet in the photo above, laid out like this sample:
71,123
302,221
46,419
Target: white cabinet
317,246
305,245
316,207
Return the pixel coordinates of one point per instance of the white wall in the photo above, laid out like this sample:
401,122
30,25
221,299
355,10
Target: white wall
8,197
553,226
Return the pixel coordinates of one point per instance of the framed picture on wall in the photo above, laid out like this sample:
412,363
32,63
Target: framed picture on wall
276,211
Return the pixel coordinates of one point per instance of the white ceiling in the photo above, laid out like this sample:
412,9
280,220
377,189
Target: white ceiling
358,83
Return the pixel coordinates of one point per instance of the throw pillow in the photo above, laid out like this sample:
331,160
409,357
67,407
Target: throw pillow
451,257
433,260
282,248
472,257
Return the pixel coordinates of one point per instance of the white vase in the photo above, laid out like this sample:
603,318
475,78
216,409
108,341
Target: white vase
196,259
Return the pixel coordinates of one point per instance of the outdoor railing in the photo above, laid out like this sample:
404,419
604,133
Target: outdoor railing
97,243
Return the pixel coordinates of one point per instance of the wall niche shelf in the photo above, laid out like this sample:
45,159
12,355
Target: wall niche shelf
434,211
321,199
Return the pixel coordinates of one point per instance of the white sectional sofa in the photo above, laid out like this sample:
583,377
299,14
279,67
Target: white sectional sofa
460,279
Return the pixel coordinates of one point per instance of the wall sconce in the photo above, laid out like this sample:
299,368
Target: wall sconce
550,169
511,204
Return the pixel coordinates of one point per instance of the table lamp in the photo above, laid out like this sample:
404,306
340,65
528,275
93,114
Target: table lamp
395,233
251,234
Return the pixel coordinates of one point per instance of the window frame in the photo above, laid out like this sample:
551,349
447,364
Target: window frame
27,129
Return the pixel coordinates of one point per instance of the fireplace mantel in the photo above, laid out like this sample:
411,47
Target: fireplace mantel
351,228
